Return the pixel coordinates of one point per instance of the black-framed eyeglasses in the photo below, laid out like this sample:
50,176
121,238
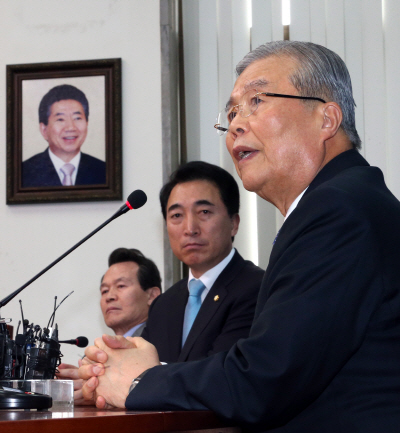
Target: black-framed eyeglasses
248,104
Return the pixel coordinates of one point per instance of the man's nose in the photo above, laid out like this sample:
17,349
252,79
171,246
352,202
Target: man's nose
111,295
70,124
191,226
238,126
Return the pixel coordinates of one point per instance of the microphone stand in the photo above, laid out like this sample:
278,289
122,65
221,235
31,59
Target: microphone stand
17,399
8,298
10,398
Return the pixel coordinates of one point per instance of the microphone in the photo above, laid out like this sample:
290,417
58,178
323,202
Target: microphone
78,341
135,200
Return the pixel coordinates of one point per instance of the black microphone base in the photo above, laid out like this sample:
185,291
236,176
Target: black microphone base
22,400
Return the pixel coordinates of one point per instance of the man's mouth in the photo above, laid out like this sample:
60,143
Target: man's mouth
192,245
244,154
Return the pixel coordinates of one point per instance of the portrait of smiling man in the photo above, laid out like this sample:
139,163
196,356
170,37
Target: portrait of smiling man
63,123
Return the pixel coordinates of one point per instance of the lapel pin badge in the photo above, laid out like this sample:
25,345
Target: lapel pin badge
216,298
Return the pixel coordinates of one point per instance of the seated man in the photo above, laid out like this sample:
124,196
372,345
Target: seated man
200,205
128,288
63,121
323,352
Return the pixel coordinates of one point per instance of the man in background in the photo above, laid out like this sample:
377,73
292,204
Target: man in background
63,122
127,289
213,308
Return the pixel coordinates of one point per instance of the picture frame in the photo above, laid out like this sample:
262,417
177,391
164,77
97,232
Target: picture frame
39,101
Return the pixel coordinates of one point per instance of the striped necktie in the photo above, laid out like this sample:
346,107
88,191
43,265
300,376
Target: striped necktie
67,169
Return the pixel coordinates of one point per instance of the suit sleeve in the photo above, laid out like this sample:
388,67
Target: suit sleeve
314,308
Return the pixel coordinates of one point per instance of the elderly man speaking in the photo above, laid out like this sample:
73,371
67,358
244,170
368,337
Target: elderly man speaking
323,353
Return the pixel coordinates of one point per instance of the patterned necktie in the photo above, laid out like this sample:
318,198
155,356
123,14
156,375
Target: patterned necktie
67,169
193,305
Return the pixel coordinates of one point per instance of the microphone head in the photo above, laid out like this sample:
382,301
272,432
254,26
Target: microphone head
82,341
136,199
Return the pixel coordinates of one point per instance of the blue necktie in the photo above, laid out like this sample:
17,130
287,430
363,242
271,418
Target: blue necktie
193,305
276,237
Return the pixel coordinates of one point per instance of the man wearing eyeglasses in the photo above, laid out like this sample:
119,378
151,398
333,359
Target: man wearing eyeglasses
323,353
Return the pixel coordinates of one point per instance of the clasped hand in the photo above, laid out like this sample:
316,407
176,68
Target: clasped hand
110,366
70,372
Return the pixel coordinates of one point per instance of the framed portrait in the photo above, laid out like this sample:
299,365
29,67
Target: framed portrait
64,132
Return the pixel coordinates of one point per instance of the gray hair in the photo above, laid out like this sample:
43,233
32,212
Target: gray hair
321,73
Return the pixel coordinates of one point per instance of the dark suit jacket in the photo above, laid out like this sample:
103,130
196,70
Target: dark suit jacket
219,323
323,353
39,171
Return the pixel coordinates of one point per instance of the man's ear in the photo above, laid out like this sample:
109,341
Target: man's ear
332,119
235,224
43,130
152,292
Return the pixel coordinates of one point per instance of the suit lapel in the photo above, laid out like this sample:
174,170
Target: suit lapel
47,169
82,170
214,299
343,161
175,326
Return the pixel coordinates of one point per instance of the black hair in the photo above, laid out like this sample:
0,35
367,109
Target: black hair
61,93
148,273
199,170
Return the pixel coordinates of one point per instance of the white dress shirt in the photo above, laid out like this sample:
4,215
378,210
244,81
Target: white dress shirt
209,277
293,206
58,163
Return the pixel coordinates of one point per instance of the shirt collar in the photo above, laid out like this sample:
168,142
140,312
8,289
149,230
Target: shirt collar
132,330
293,206
209,277
58,162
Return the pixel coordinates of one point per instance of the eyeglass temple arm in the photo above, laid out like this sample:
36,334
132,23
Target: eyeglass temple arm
293,96
219,127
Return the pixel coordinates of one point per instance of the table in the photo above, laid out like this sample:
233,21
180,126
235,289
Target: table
89,419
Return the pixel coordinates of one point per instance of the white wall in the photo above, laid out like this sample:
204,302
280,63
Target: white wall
32,236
